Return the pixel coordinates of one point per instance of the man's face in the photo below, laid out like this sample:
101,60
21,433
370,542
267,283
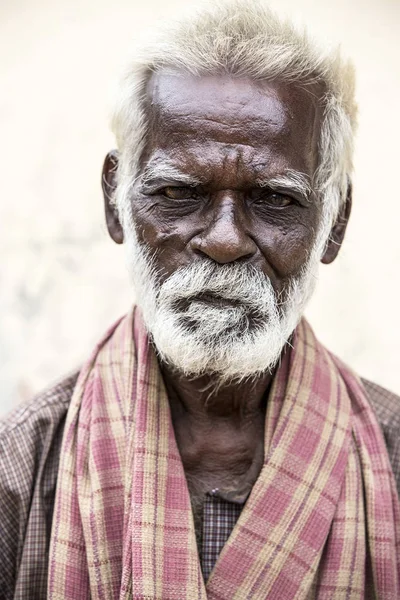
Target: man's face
223,214
225,139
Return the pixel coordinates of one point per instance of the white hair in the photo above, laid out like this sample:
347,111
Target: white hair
244,38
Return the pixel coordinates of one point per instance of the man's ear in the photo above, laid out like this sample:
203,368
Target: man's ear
336,235
109,185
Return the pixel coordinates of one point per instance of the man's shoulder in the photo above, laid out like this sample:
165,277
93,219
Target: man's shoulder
50,404
32,420
29,433
387,409
385,403
30,443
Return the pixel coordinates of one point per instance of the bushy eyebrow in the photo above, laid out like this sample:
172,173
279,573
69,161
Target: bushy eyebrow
291,181
164,171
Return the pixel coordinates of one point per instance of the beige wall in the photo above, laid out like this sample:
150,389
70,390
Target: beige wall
62,281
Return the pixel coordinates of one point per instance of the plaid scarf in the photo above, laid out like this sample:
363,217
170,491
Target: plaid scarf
322,520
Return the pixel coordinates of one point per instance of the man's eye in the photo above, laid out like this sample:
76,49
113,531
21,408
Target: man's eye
274,199
279,200
177,193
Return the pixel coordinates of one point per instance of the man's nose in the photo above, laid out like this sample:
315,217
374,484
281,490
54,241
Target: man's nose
226,238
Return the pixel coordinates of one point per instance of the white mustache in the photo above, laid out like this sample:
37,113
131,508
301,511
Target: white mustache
240,283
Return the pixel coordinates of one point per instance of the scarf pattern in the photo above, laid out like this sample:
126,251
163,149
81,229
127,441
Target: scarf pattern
322,521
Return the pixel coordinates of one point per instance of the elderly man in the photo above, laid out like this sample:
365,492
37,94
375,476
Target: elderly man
211,447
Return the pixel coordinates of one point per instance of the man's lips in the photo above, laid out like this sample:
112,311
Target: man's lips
252,317
214,300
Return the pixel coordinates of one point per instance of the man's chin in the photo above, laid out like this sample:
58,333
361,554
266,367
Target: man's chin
217,372
236,352
217,323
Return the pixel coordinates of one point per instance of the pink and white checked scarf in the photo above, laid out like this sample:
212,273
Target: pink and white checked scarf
322,521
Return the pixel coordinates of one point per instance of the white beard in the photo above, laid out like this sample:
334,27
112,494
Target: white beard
239,336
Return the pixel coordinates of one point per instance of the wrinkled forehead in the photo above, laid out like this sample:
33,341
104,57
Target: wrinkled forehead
186,110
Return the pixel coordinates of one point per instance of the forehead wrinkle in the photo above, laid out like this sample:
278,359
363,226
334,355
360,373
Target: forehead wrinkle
222,128
224,119
198,142
218,112
270,116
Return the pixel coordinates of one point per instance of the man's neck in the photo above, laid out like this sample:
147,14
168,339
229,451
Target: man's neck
219,431
203,398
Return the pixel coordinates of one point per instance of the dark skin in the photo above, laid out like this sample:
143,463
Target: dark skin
227,134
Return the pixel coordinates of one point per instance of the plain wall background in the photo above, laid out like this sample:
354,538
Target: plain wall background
63,281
